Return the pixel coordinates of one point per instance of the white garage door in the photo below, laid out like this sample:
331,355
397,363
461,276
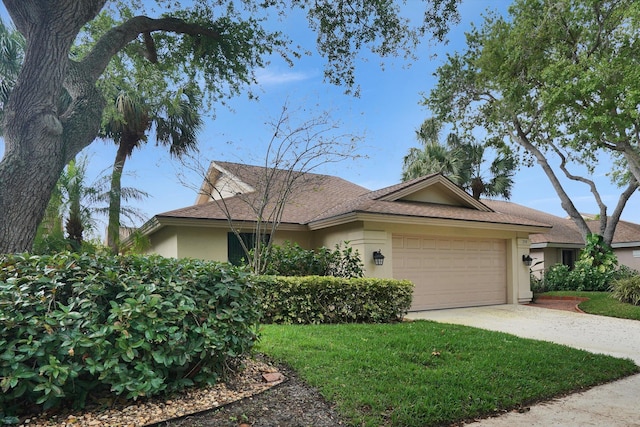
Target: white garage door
451,272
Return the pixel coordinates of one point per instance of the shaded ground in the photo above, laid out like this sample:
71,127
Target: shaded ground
292,404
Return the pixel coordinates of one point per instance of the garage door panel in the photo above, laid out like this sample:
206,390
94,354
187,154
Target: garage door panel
451,272
413,243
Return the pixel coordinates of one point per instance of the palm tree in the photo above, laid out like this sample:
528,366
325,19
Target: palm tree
497,181
176,122
69,199
433,157
461,161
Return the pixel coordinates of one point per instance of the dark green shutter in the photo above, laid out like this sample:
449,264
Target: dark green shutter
234,248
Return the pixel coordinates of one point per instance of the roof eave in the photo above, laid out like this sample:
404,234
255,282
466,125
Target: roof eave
625,245
165,221
419,220
557,245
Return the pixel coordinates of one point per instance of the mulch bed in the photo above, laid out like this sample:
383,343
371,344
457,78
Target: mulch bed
257,376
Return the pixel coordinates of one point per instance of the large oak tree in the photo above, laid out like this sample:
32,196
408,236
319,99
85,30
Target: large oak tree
217,43
560,80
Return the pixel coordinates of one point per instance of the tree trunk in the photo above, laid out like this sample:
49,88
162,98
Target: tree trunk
37,134
115,199
477,187
568,206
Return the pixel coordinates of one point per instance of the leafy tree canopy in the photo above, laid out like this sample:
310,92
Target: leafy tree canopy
217,44
555,79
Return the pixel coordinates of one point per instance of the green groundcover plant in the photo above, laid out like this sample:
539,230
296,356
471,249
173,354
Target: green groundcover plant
73,324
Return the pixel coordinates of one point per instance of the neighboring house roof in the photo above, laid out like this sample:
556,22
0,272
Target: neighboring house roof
320,201
564,232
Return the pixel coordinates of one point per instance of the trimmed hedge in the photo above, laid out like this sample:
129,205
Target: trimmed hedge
325,299
75,324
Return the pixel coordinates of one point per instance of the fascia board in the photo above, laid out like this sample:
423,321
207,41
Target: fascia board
625,245
556,245
411,220
223,223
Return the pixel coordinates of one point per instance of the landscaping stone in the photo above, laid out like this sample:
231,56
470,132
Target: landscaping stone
248,382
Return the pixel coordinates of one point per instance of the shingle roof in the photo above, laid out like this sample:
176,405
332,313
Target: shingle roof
564,230
323,197
311,195
370,203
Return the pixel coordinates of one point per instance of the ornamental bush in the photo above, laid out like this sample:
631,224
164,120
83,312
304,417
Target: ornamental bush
594,270
557,278
627,289
289,259
596,267
73,324
324,299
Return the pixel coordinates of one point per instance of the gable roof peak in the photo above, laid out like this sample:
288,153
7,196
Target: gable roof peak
433,188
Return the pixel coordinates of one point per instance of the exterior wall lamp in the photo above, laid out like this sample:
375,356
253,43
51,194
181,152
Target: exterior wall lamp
527,260
378,258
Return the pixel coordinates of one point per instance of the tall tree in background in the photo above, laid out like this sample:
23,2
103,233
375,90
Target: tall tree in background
461,161
176,123
219,44
75,206
433,156
559,81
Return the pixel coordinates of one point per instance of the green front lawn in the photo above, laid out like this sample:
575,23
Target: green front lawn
425,373
602,303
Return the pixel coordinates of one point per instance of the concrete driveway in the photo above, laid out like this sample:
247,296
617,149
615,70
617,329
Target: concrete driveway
614,404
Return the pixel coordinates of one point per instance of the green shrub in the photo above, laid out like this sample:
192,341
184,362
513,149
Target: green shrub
292,260
74,324
316,299
625,272
557,278
595,270
627,289
596,266
536,283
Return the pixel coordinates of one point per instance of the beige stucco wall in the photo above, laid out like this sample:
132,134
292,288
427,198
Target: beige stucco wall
203,243
352,233
626,257
552,256
164,242
367,237
303,239
208,243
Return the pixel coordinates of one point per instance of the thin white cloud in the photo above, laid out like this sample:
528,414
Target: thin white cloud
271,77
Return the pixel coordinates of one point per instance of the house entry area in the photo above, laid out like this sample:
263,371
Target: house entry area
451,271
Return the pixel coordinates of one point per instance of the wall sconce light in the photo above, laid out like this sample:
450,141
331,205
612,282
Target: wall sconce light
527,260
378,258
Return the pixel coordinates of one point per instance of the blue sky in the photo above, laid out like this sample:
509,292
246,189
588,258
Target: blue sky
387,113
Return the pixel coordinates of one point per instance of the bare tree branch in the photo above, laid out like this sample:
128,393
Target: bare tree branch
294,150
